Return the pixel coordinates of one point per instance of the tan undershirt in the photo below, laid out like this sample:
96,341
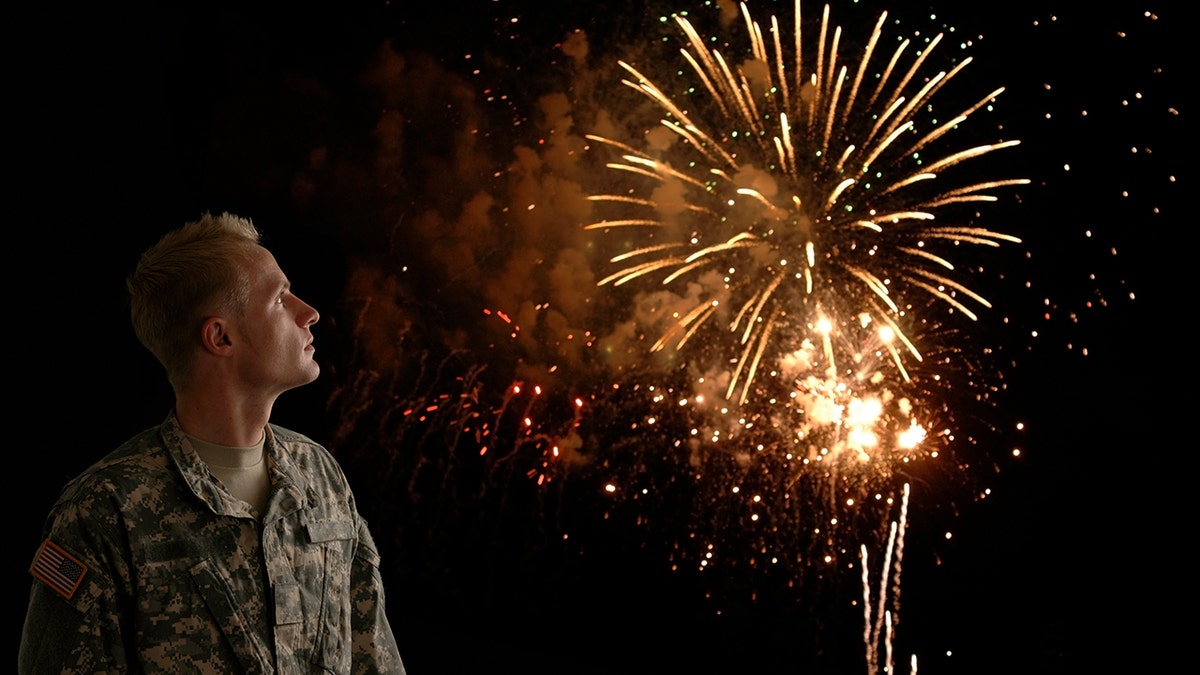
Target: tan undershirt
243,471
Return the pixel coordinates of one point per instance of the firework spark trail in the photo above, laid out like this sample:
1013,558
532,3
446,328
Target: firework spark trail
879,630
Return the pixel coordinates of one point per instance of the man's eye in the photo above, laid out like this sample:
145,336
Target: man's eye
279,300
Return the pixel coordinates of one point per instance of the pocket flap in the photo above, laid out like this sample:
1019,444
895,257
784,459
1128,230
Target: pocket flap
329,530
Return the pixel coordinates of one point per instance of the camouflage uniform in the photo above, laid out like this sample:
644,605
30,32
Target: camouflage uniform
171,573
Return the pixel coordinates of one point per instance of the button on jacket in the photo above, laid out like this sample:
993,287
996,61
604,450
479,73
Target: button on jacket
165,571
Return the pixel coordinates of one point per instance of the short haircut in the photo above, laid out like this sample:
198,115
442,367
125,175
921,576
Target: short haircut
190,275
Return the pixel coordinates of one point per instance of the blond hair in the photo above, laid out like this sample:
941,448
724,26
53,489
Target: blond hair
190,275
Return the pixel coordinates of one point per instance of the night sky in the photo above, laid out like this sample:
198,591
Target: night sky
390,156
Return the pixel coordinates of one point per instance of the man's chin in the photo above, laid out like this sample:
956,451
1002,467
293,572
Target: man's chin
309,374
315,372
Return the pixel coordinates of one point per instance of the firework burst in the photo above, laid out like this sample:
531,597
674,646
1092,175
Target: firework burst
803,215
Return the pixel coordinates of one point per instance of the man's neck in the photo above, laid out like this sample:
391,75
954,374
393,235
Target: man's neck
226,421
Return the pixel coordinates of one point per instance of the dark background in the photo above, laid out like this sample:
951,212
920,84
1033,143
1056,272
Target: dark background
128,122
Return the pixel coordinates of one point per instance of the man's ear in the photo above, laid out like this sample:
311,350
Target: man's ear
215,336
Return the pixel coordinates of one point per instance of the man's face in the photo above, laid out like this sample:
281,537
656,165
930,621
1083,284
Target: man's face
273,343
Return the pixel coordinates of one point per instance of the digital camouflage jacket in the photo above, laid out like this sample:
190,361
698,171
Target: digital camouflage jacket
150,565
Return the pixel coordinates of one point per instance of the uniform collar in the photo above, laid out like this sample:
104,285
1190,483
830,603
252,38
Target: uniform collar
287,491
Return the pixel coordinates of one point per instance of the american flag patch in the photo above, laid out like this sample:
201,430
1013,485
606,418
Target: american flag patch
59,569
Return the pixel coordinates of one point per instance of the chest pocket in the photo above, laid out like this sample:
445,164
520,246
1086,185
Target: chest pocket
314,606
194,610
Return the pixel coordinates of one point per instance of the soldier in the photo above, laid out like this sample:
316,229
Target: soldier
216,542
